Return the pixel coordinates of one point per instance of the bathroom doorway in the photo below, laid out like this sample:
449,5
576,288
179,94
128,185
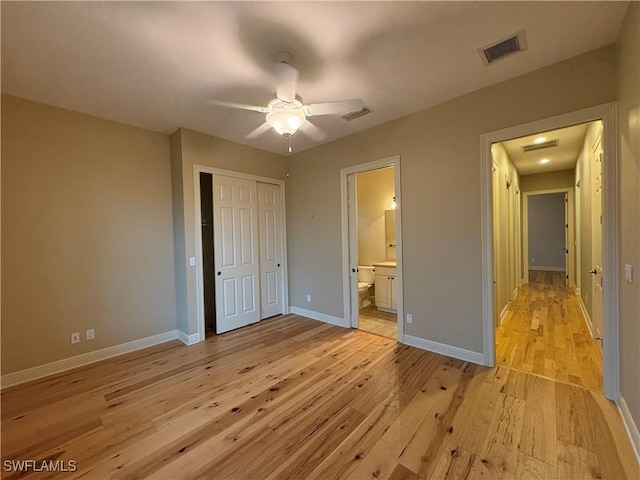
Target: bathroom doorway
373,279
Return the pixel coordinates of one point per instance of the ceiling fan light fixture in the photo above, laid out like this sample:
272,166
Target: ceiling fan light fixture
285,119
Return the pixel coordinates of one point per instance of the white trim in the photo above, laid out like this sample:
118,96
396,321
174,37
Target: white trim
504,311
611,231
83,359
322,317
630,426
393,161
448,350
197,170
546,269
571,260
585,315
188,339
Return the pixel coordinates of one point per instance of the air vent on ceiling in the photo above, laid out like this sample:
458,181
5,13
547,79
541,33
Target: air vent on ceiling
497,50
360,113
539,146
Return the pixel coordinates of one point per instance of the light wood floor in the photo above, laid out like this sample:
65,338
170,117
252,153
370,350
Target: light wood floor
544,332
372,320
291,398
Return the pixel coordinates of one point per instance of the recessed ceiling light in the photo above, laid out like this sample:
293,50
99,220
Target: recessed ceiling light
544,160
540,140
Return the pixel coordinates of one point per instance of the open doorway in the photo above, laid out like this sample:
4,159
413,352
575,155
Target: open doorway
547,325
377,260
372,247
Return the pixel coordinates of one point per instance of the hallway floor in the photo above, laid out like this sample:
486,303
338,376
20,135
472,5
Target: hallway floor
544,332
375,321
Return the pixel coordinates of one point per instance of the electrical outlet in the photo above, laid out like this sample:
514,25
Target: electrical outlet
91,334
409,317
75,337
308,297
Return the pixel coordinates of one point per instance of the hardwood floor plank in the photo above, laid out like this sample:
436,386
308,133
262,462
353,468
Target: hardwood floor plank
346,457
544,332
291,398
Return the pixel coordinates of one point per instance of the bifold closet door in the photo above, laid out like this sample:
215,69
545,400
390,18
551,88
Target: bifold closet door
270,250
236,253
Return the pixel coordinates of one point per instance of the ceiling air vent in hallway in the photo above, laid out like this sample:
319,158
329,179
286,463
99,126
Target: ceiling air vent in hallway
539,146
360,113
497,50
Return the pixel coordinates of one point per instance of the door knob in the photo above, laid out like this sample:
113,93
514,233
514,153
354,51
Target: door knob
278,265
353,270
594,271
219,273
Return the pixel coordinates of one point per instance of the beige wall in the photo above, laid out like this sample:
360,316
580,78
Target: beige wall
628,74
86,233
191,148
375,190
547,181
441,217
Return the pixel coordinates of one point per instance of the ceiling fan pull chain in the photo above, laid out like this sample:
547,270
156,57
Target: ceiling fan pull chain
289,137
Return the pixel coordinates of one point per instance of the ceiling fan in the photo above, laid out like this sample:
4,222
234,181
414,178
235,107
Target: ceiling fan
286,114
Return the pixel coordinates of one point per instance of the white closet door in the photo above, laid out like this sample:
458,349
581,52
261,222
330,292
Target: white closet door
236,254
270,250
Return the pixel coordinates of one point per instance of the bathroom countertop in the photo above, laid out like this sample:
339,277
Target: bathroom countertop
386,263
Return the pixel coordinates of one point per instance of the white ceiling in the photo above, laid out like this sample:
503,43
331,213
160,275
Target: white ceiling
157,64
562,157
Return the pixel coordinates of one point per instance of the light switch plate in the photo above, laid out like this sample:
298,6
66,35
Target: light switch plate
628,273
192,261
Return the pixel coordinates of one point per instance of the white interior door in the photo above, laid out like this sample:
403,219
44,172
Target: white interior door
270,249
235,226
596,242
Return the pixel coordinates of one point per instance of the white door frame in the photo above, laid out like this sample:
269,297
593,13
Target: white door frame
571,260
394,161
197,170
610,228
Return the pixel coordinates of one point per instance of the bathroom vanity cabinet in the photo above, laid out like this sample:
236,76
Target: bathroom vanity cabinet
386,297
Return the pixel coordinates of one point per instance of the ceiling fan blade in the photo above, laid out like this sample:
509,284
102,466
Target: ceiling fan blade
241,106
287,82
258,131
340,107
312,131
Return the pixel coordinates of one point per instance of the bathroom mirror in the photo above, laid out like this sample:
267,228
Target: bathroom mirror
390,233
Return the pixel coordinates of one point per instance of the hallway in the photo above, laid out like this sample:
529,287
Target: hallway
544,333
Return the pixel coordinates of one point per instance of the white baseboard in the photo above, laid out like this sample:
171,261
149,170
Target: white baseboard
546,269
188,339
629,424
323,317
503,313
448,350
585,314
58,366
